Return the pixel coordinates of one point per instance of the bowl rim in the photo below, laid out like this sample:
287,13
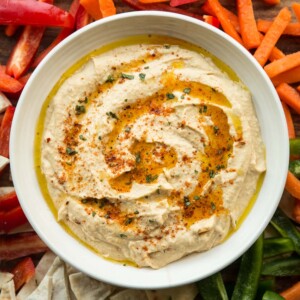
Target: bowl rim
156,282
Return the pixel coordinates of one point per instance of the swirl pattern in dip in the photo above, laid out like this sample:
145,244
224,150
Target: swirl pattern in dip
151,152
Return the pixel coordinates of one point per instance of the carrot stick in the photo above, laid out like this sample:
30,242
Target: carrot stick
272,2
289,121
249,32
107,8
226,24
230,15
291,29
298,88
290,76
284,64
276,54
292,293
292,185
269,41
296,9
290,96
11,29
92,7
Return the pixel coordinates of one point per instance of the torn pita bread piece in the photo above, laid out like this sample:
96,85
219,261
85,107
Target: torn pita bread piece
8,291
5,277
40,271
130,294
185,292
85,287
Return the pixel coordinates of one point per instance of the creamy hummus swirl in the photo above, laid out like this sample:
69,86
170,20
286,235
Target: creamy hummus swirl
151,152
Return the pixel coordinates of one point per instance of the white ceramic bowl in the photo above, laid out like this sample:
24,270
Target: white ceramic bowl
269,112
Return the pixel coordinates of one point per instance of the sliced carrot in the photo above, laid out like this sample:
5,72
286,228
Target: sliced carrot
296,9
269,41
92,7
284,64
230,15
290,76
292,293
296,216
289,120
248,29
298,88
107,8
11,29
276,54
225,22
291,29
153,1
289,95
272,2
292,185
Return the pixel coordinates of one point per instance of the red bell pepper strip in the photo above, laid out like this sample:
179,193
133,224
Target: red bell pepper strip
23,272
211,20
175,3
32,12
9,84
19,245
12,219
161,7
5,131
24,51
82,18
11,29
9,201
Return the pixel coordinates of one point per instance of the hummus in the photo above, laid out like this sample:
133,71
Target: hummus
151,152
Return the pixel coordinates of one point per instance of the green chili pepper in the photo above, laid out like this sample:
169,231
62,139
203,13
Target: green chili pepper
270,295
276,246
295,146
286,266
265,285
212,288
249,272
294,167
286,228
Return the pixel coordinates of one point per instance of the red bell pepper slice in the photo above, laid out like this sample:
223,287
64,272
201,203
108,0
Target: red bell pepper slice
32,12
161,7
24,51
9,84
9,201
211,20
13,246
82,18
23,272
5,131
12,219
175,3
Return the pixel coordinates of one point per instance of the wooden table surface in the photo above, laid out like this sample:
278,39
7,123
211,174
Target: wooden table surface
286,44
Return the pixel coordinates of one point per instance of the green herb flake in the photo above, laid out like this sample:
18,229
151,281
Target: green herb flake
84,201
219,167
196,171
122,235
79,109
196,198
99,138
167,46
150,178
112,115
138,158
127,76
212,174
186,201
142,76
213,205
71,151
68,163
82,137
187,90
85,100
128,221
127,129
216,129
147,67
170,96
136,212
110,79
93,213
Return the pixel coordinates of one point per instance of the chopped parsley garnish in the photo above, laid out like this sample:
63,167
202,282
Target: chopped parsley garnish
150,178
127,76
170,96
147,67
167,46
136,212
110,79
82,137
103,202
128,221
99,138
187,90
112,115
203,109
212,173
127,129
122,235
196,197
84,201
138,158
196,171
93,213
219,167
142,76
79,109
212,205
216,129
186,201
70,151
